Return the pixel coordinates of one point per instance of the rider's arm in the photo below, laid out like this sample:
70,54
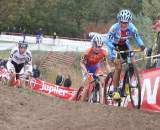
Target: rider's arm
13,51
137,37
109,39
106,65
28,66
82,64
28,57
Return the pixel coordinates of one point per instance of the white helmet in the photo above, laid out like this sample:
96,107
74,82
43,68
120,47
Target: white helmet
97,41
22,44
124,16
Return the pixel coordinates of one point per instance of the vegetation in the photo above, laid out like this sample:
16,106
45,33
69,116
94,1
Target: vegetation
75,18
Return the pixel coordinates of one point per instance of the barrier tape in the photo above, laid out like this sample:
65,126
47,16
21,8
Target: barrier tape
147,57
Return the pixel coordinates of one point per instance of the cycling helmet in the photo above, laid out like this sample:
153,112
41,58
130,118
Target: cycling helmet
124,16
22,44
97,41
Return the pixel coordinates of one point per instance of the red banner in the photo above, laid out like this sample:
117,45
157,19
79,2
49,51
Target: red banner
150,90
52,89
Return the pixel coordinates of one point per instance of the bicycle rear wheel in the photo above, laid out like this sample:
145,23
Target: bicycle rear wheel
132,81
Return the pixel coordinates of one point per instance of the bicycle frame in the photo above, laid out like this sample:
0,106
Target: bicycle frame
131,70
128,73
90,87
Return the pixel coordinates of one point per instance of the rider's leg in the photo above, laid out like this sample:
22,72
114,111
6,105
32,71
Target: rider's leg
116,78
87,78
117,72
12,66
12,80
11,70
101,85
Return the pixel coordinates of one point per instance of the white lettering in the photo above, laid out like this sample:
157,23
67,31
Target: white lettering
55,89
151,96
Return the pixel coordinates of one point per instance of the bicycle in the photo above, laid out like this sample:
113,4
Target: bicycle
93,92
21,82
131,81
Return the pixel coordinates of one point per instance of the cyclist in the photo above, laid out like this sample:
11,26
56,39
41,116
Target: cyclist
20,57
91,63
118,37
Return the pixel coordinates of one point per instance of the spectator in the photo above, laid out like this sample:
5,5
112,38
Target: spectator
24,34
59,79
36,72
3,62
54,35
148,61
68,82
39,36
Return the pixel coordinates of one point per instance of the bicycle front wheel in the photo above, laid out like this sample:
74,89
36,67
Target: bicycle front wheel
107,89
79,94
94,96
132,81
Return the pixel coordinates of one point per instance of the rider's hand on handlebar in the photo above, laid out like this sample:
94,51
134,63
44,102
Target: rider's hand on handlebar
144,49
89,76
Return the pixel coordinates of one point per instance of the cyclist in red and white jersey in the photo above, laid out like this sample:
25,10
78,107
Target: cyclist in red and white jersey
20,57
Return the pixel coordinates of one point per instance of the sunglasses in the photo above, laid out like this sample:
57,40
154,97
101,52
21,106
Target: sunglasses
23,46
124,22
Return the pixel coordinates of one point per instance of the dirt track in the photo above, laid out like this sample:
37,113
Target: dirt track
23,109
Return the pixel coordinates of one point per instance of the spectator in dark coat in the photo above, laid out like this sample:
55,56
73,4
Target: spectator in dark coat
59,79
68,82
36,72
3,62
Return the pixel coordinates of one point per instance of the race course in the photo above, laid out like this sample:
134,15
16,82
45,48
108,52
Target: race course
23,109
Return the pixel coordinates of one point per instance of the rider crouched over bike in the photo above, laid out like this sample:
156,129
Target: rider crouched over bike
117,38
91,64
20,58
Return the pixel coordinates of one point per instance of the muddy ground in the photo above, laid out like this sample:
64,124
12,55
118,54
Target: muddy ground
22,109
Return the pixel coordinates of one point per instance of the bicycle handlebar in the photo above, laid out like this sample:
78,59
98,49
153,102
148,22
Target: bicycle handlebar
128,51
97,76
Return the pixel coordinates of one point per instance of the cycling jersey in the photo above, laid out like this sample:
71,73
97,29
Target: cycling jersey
115,34
18,61
92,61
20,58
92,58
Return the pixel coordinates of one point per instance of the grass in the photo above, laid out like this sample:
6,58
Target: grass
2,41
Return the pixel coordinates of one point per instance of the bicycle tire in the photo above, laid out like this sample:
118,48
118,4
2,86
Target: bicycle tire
135,100
108,83
93,97
79,92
